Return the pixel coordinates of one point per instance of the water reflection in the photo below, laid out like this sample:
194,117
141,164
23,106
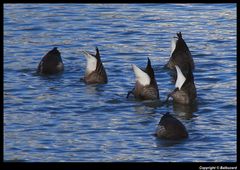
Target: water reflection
167,143
185,111
142,109
57,76
94,89
153,103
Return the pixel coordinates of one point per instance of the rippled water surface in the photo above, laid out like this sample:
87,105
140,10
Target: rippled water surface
59,118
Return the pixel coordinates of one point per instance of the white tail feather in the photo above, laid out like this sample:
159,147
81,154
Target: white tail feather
180,78
142,77
91,63
173,44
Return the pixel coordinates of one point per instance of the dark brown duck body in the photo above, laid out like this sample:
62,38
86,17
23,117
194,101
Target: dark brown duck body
186,93
95,71
180,55
145,89
171,128
51,63
145,92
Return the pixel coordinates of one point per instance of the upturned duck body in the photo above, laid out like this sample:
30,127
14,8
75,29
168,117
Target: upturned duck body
171,128
146,87
180,54
95,72
51,63
185,90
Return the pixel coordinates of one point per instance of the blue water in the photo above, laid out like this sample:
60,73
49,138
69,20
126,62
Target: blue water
59,118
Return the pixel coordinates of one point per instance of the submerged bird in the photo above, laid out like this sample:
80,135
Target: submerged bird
146,86
171,128
185,90
95,72
180,54
51,63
